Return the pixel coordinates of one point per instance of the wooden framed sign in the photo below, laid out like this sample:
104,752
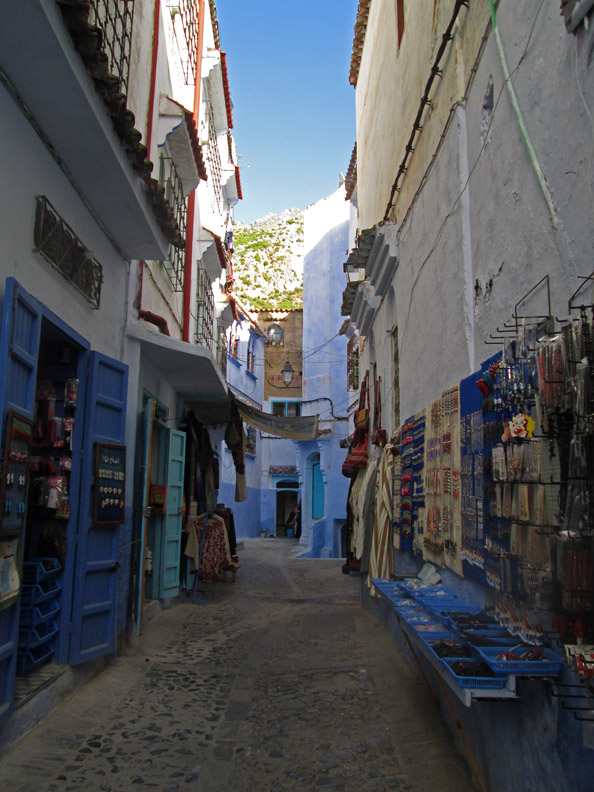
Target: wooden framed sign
110,484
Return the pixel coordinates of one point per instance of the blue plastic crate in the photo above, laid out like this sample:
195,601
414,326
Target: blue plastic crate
434,593
437,631
448,637
40,569
493,683
493,655
33,615
30,639
35,657
32,593
408,608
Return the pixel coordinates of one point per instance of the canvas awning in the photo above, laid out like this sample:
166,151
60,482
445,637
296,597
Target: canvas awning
301,428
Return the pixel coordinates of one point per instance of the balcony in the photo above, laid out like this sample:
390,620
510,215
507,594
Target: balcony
205,311
65,98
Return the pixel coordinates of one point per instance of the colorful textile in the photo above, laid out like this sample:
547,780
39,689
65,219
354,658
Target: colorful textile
215,552
381,556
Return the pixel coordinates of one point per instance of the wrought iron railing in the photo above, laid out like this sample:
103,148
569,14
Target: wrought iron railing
214,164
204,310
174,195
114,18
59,245
184,15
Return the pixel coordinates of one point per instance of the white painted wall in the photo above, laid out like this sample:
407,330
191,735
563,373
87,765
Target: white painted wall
28,170
469,251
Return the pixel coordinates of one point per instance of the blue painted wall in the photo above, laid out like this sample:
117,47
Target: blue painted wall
246,514
326,229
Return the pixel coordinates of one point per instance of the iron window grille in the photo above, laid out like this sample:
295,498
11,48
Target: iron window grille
353,364
114,18
214,162
174,195
59,245
186,35
204,310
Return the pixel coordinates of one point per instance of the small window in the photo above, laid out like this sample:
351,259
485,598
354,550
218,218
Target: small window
275,334
286,409
250,441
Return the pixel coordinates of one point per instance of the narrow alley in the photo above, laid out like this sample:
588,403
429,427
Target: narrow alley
281,681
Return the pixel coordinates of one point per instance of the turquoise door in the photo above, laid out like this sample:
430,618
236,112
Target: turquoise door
172,522
317,489
19,347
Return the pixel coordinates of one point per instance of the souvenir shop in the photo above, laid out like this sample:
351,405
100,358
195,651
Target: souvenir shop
477,554
493,484
62,493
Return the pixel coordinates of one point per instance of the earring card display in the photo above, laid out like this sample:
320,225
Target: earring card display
15,472
110,484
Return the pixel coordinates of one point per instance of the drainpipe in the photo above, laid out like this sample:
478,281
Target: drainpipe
152,87
187,302
155,319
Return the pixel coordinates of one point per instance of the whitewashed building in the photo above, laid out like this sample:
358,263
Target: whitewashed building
119,174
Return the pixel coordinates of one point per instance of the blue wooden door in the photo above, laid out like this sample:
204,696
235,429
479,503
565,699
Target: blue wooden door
172,522
94,601
19,347
317,490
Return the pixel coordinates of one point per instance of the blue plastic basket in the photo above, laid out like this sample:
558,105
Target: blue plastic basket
30,639
40,569
35,657
33,615
32,593
552,665
447,637
493,683
434,593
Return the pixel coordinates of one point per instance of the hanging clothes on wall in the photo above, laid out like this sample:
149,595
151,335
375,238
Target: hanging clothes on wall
381,555
362,500
216,554
226,514
202,470
235,440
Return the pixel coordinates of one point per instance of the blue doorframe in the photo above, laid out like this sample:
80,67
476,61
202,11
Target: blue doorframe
23,321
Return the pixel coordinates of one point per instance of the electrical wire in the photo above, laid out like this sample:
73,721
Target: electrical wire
470,174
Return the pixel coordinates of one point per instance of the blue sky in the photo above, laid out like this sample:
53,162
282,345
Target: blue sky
293,106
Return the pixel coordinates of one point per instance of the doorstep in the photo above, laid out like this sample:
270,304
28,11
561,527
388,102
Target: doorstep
40,692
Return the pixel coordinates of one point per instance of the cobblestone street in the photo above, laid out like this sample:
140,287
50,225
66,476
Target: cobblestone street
282,681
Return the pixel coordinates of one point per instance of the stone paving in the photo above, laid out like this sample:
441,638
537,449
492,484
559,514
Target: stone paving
281,682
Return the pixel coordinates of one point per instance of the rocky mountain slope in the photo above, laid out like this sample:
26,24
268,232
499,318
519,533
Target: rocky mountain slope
268,262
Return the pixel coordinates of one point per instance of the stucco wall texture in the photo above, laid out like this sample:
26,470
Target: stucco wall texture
486,210
476,231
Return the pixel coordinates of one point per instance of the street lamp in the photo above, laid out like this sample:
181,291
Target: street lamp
287,373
